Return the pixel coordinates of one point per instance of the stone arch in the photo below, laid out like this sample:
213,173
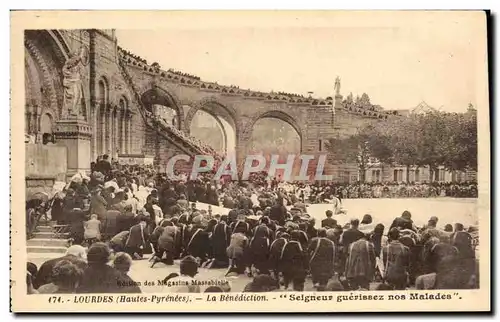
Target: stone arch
102,94
46,122
123,103
160,96
280,115
49,51
212,106
103,90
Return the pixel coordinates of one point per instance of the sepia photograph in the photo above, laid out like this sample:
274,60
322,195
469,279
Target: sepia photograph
274,158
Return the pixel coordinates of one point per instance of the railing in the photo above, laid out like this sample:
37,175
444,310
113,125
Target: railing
153,122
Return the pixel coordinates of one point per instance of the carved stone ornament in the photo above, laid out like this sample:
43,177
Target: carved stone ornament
72,82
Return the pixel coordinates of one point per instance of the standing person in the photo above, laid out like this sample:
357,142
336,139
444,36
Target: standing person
278,212
360,264
104,166
98,204
397,261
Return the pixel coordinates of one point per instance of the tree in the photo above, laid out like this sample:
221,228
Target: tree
462,133
403,137
361,148
357,101
365,100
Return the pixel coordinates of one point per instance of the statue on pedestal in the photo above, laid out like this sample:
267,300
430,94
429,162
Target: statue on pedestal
72,82
337,86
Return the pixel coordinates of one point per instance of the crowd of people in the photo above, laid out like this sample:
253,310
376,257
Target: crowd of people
124,213
183,74
407,190
136,57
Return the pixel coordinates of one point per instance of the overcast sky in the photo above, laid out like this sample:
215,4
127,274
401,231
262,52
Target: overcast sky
398,59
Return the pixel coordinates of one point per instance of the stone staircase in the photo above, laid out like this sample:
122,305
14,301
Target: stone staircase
172,134
47,241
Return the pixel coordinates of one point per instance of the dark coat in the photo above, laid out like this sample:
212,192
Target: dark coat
98,206
278,213
322,257
275,253
110,223
329,222
396,262
293,261
137,237
198,244
220,240
44,275
106,279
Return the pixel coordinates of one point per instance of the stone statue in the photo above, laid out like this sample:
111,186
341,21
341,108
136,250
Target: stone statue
72,82
337,86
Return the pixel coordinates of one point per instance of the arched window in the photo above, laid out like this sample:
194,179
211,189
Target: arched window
101,135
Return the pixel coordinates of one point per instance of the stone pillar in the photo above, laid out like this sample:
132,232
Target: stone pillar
108,149
113,133
129,133
102,130
121,131
75,134
93,118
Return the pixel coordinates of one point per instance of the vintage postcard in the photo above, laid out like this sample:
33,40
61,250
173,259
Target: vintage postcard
259,161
